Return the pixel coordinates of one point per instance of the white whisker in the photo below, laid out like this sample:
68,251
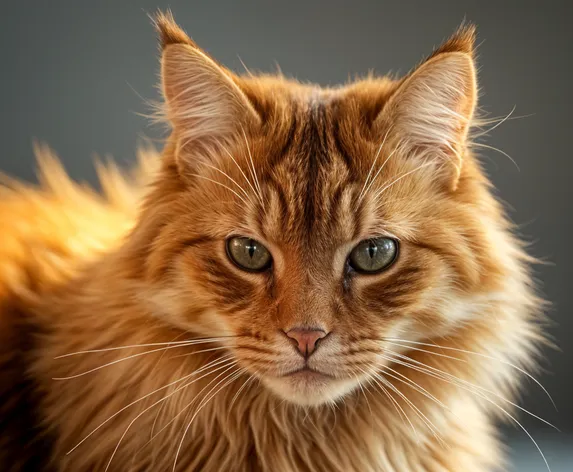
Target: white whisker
117,361
253,170
156,403
240,170
484,397
396,180
421,415
229,177
498,150
219,348
396,405
222,185
186,407
236,396
463,383
363,393
190,342
207,366
479,354
499,123
230,378
372,166
402,378
379,170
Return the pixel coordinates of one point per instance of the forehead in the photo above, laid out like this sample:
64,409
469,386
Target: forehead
312,178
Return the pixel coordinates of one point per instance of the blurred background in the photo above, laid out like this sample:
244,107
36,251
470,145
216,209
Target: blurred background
76,75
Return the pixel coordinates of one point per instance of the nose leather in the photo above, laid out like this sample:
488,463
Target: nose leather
306,340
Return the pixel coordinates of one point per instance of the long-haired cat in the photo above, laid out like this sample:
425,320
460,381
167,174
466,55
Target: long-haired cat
307,279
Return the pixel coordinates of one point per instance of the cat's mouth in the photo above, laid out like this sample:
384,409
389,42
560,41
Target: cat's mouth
308,386
307,372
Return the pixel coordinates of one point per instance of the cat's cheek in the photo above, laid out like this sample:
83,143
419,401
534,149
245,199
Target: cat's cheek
402,328
178,308
211,324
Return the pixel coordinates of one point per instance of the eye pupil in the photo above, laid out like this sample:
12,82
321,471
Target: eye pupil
372,250
373,255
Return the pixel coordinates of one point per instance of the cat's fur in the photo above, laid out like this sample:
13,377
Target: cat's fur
79,272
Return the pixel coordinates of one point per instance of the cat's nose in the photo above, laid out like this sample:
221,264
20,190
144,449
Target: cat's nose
306,340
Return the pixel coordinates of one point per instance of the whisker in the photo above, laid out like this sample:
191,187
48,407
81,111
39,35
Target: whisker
186,407
402,378
189,342
229,177
484,397
306,413
210,364
332,406
394,403
221,184
479,354
416,410
372,166
159,410
486,146
240,170
396,180
316,428
230,378
154,404
499,123
378,172
364,394
219,348
421,415
253,170
248,381
463,382
117,361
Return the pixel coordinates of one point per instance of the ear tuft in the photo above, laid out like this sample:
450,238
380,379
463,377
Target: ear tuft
169,31
463,40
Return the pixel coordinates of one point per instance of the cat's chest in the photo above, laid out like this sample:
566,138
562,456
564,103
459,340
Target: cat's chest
114,429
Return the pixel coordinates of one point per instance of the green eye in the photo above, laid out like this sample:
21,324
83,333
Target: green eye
373,255
248,254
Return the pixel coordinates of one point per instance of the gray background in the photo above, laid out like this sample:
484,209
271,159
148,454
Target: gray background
74,73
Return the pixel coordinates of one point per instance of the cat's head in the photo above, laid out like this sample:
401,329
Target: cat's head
308,227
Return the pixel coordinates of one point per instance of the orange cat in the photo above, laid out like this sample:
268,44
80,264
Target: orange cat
317,279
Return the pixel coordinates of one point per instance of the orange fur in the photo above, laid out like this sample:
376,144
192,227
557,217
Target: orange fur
296,167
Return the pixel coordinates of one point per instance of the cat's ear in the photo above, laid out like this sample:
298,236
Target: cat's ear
203,100
430,113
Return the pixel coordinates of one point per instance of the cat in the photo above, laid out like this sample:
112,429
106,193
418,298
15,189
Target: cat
306,279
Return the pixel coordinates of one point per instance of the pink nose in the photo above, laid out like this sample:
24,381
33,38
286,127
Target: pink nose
306,340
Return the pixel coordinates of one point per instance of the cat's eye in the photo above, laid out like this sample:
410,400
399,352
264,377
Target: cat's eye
248,254
373,255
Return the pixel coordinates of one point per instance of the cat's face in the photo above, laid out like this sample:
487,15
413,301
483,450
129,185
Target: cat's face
310,229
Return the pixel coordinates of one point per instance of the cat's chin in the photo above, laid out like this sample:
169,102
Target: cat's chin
308,388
